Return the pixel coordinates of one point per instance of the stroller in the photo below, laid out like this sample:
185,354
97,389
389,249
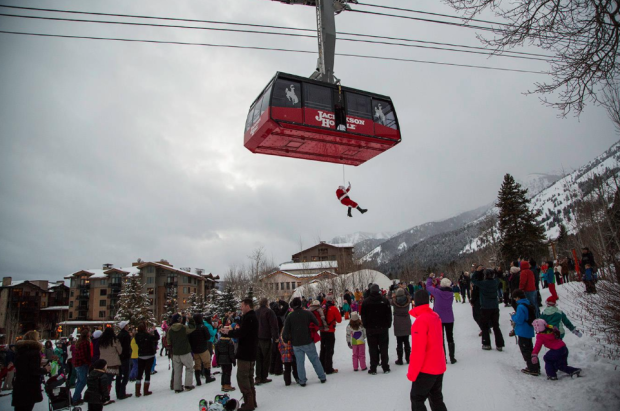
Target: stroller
58,394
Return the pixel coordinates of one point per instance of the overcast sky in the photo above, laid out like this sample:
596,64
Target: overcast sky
114,151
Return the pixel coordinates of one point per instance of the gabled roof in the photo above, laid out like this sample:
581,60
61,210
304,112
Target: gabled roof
99,273
169,268
311,265
23,283
322,244
300,276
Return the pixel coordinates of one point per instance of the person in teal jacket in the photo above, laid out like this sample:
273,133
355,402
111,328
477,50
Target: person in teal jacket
550,279
556,318
212,333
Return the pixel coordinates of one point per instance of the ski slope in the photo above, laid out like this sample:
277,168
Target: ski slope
481,380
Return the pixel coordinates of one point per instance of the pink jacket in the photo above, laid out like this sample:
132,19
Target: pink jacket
548,340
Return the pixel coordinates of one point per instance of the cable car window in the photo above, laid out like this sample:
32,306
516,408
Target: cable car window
287,94
383,114
358,105
248,122
318,97
265,104
257,110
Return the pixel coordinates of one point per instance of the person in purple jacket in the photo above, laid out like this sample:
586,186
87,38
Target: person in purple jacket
444,297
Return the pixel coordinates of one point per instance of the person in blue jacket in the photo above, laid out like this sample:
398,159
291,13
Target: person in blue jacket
524,330
212,332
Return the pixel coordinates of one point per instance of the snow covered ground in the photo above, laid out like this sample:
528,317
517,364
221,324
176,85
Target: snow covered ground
481,380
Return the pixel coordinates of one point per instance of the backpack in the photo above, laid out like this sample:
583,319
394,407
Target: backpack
531,314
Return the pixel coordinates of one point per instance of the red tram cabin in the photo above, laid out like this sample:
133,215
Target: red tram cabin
313,120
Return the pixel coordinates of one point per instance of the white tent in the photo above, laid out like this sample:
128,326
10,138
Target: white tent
358,279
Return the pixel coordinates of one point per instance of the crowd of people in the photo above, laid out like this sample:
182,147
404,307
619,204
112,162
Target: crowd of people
275,338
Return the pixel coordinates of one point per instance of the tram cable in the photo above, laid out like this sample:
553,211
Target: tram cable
127,23
234,46
504,53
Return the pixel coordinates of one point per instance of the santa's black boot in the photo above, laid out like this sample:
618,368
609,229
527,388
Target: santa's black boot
361,210
349,212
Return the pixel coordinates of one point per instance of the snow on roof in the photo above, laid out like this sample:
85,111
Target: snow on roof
56,308
300,275
312,265
341,245
100,272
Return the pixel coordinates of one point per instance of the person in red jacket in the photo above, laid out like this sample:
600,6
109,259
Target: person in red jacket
328,338
343,195
427,363
527,283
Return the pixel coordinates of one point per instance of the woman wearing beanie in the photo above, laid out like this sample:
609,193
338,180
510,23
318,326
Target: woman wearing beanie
428,360
402,324
444,298
28,372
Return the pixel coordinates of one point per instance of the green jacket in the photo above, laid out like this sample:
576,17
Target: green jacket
177,339
555,317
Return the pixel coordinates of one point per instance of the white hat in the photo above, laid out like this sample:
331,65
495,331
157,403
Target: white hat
123,324
97,334
445,282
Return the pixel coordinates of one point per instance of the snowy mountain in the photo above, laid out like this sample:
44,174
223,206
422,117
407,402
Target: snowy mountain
360,236
556,201
405,240
537,182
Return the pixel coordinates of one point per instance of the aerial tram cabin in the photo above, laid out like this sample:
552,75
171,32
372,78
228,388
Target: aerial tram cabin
314,120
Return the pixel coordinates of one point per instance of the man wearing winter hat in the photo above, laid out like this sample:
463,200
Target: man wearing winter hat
123,377
328,337
427,362
377,319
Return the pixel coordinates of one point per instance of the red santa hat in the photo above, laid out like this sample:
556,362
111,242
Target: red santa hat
552,300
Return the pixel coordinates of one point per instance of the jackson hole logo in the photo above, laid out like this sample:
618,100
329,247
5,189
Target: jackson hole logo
328,120
291,96
379,114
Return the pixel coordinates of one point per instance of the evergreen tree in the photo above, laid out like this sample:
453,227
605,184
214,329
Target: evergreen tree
133,304
562,239
521,235
171,306
197,304
227,302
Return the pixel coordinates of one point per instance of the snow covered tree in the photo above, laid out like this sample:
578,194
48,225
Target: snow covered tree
227,302
171,306
521,235
133,304
197,304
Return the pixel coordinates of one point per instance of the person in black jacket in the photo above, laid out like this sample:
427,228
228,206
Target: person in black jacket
377,319
28,372
123,377
279,308
297,331
147,349
96,394
199,341
267,338
225,356
489,308
247,335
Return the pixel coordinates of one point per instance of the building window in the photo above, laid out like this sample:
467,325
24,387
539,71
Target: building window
101,314
71,293
103,291
194,289
104,282
288,286
293,285
102,303
150,291
150,301
70,304
276,284
186,290
150,270
150,280
282,286
70,314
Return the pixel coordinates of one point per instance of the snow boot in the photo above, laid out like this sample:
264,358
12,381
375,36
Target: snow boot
552,378
500,349
407,354
349,212
399,354
138,389
147,385
577,373
208,377
228,388
189,387
451,348
197,375
362,210
486,347
398,362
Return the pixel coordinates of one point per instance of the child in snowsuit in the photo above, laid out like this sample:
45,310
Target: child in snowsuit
97,382
288,359
225,357
554,317
356,339
524,331
589,279
457,292
343,196
557,356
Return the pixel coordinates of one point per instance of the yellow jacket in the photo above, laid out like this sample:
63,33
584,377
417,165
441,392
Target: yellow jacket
134,349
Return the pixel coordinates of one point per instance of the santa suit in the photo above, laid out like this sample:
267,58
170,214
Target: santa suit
343,196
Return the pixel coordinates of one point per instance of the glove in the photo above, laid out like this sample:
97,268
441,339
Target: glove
350,346
577,333
534,359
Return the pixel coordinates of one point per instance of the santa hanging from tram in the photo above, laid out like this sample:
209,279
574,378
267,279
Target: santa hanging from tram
343,196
